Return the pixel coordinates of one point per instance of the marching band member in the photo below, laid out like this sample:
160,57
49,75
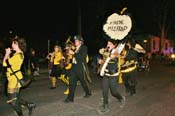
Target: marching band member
110,77
34,63
67,66
78,70
56,59
50,64
13,64
128,69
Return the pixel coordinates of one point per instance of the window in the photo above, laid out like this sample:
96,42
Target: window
154,44
166,46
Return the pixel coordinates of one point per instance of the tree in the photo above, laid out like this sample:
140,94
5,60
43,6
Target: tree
161,20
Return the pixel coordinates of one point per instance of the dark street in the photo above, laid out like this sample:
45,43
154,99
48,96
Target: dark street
111,35
155,97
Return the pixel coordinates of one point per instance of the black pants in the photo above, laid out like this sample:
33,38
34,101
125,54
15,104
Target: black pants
110,83
56,71
77,74
16,102
66,72
130,81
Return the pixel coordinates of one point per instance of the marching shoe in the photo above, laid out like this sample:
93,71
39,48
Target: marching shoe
52,88
105,109
19,113
122,102
68,100
31,106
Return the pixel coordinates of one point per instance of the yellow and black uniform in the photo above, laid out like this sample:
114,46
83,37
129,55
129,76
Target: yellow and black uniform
109,82
14,63
66,71
128,70
56,67
78,72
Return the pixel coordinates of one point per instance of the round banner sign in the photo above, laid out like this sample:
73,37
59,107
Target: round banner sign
117,26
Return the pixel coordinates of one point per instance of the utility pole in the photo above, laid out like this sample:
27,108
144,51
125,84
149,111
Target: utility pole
79,18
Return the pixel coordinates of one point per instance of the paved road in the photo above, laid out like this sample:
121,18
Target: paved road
155,97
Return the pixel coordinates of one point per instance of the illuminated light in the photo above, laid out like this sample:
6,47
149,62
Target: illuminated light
145,41
173,56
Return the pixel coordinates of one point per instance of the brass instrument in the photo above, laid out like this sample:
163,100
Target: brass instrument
127,66
105,54
68,41
122,60
69,45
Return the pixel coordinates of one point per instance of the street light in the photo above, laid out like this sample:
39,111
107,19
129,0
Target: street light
173,56
145,41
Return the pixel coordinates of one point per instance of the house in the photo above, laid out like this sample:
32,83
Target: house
152,44
167,45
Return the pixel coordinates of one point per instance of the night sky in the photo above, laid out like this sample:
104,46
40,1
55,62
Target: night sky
57,20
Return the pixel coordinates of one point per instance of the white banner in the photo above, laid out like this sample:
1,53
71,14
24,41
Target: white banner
117,26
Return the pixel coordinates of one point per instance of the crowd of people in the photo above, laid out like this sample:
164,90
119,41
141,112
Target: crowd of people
70,65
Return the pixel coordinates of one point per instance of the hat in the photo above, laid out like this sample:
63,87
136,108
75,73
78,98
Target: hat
78,37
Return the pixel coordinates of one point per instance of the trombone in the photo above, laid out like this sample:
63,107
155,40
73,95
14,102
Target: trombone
68,41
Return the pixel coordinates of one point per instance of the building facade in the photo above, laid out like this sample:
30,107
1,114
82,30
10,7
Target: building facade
167,45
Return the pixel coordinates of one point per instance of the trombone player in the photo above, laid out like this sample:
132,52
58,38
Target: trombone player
67,64
78,70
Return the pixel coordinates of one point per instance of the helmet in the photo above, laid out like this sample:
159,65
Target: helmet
78,37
